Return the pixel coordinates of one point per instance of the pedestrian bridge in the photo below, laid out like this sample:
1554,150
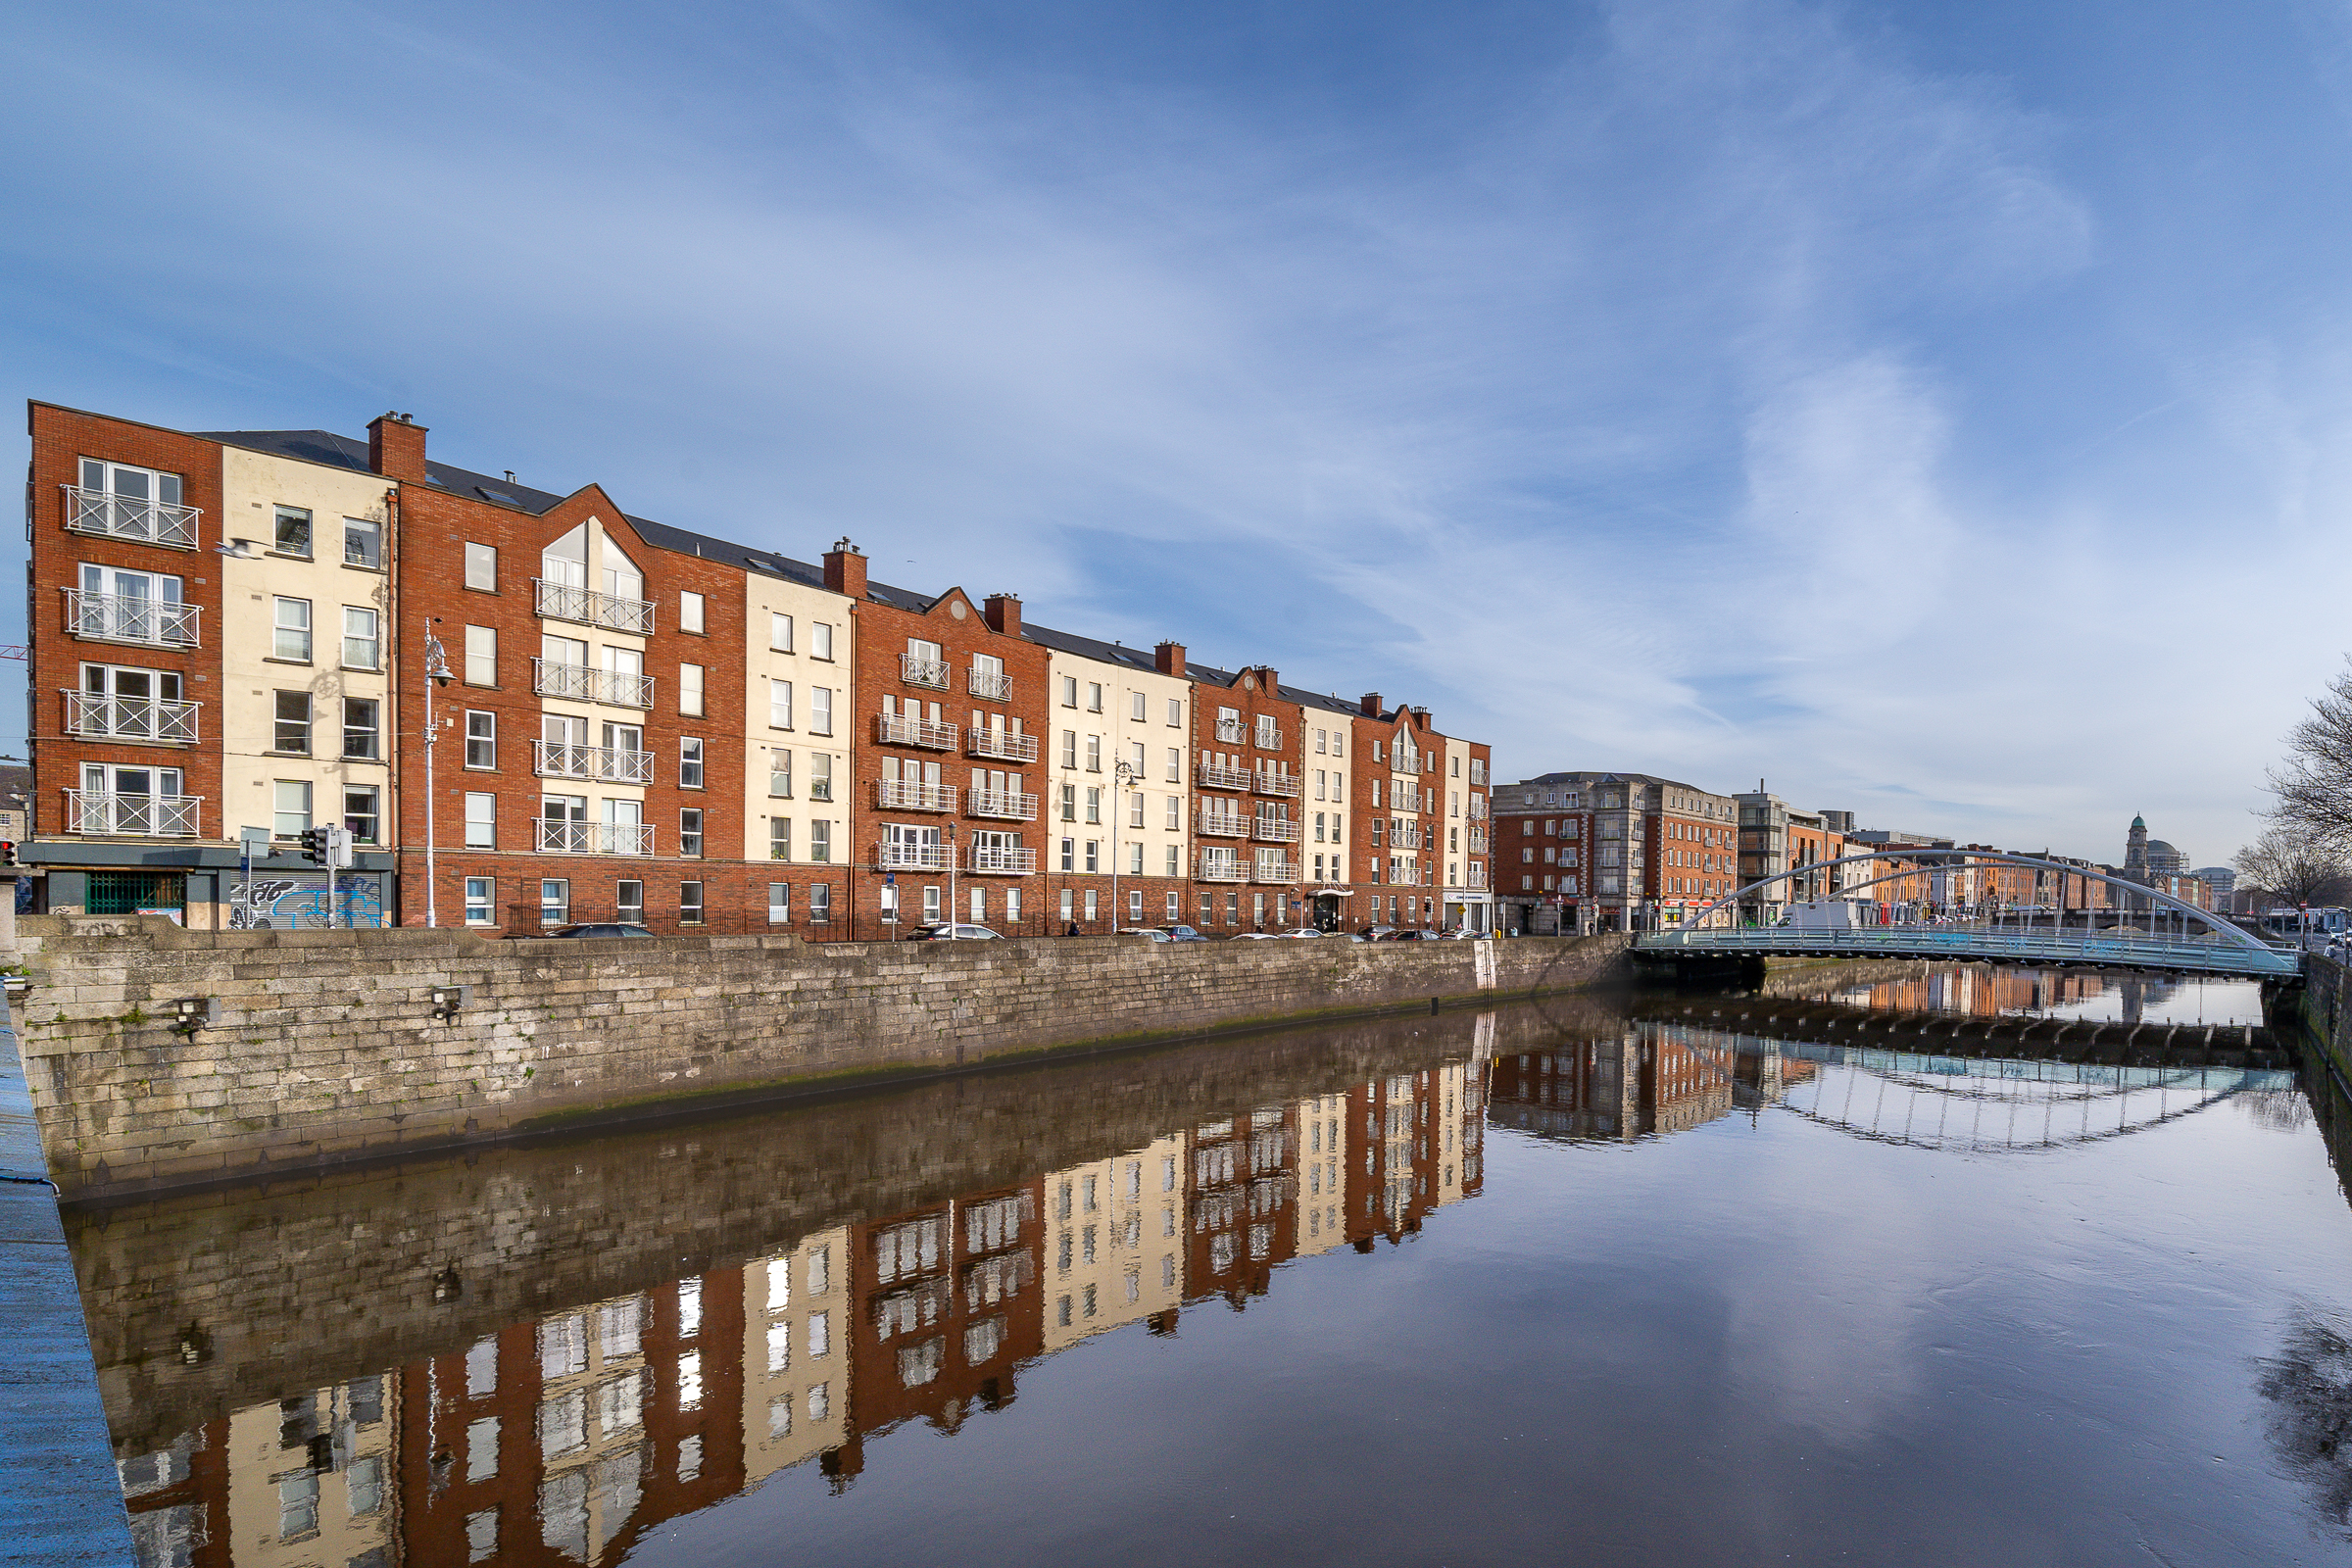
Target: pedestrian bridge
2152,930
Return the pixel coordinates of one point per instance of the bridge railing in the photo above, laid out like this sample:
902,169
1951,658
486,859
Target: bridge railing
2153,952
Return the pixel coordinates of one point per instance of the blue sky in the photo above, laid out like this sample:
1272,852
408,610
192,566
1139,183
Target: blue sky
1937,412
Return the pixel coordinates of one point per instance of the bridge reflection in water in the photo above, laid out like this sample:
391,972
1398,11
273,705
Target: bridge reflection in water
385,1400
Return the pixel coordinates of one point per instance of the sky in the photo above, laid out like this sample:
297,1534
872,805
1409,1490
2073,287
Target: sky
1932,411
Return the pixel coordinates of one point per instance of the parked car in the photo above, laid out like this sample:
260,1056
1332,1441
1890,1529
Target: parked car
1150,933
1301,931
598,928
1379,933
1415,934
1252,936
1183,933
945,932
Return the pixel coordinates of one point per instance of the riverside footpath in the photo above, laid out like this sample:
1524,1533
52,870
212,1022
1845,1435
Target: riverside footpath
160,1058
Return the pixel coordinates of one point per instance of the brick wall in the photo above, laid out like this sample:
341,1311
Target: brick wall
326,1049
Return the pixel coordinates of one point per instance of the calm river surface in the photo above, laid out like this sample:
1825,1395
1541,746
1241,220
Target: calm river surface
1542,1284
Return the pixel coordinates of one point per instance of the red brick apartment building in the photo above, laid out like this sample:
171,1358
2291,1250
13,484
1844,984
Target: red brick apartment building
237,636
1586,850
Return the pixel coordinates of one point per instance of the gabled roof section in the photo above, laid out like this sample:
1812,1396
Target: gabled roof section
1070,641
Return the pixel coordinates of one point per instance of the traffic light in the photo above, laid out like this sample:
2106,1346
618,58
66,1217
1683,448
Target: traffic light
8,852
313,845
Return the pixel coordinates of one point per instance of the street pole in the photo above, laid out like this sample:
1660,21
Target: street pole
1123,776
436,672
952,914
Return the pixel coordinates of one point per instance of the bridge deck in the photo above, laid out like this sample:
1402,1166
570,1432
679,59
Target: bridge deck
1970,944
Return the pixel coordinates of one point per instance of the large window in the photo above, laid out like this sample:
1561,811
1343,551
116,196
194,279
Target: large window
359,645
291,800
820,902
555,900
481,739
482,655
689,611
779,705
779,772
481,821
820,640
361,813
292,639
481,901
820,710
291,731
481,566
690,904
362,728
690,690
820,775
690,833
779,838
779,637
628,895
780,903
820,841
690,763
362,543
292,533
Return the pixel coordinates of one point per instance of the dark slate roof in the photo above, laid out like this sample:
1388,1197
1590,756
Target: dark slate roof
1070,641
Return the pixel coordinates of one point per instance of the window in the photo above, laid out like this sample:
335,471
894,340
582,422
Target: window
1070,691
481,566
779,632
1094,754
362,543
482,655
1070,802
1175,813
554,901
779,705
360,815
820,710
690,689
1136,702
1093,697
481,901
780,903
820,911
931,907
1135,867
1094,863
481,739
1069,748
779,838
291,798
690,832
629,900
293,627
292,535
1069,903
690,900
1091,904
293,728
1174,867
820,640
779,772
362,728
1135,810
1094,802
360,646
689,611
820,775
690,763
1175,712
1012,907
481,821
820,841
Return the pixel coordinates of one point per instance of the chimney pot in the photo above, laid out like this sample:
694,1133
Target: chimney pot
845,568
396,447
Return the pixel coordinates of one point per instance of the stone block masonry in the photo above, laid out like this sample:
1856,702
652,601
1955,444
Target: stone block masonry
327,1049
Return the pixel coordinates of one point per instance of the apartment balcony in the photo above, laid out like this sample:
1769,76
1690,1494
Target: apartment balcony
1274,830
1273,869
561,601
931,672
126,618
1282,785
996,743
1404,835
995,688
911,857
1223,869
153,816
1225,824
1477,841
896,730
585,683
1231,731
154,523
1478,876
1010,805
1217,776
130,719
1269,738
558,836
896,795
988,862
605,763
1478,807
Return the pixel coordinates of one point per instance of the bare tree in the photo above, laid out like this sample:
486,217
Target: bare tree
2314,785
2296,865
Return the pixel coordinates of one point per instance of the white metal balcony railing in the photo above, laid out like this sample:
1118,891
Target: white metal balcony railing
1269,739
1005,747
898,795
1009,804
1217,776
1274,830
1404,835
995,688
896,730
558,836
1273,869
911,857
129,618
1281,784
1231,731
588,684
562,601
1225,824
1478,807
932,672
130,719
164,817
1478,876
611,764
156,523
1000,862
1477,841
1215,868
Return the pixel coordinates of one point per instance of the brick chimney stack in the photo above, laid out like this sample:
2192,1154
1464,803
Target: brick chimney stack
1003,612
1168,659
1371,705
396,447
845,568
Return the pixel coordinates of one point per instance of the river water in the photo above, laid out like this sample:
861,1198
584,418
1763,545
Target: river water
1541,1283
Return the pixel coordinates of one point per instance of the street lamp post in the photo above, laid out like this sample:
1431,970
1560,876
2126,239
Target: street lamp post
1125,776
437,671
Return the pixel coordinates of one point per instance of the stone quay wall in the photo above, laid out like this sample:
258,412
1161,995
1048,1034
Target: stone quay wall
326,1046
2326,1008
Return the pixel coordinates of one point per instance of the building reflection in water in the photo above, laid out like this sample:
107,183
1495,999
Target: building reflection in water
567,1438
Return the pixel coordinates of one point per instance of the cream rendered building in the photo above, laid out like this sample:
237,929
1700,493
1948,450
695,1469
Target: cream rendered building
1323,863
798,688
1117,1248
593,1387
305,707
1322,1174
795,1381
1462,828
1105,714
311,1478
